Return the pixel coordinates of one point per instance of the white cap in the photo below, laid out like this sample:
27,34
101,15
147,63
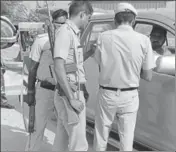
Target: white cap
125,7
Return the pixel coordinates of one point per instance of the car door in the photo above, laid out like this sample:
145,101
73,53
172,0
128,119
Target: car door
156,121
146,132
91,67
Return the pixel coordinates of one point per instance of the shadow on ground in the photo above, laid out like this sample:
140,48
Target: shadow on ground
14,136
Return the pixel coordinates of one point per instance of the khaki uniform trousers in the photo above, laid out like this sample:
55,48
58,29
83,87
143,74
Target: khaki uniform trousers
122,105
43,110
69,137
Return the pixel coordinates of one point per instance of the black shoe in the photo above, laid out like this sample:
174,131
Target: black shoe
6,105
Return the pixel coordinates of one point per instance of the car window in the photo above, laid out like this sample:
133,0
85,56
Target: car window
96,29
146,28
171,42
171,39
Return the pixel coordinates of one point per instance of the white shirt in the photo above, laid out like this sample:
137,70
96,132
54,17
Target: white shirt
41,52
38,47
121,53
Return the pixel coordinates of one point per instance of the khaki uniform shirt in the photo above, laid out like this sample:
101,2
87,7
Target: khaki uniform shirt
121,54
67,46
40,52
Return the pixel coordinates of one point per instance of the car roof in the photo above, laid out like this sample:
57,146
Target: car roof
163,15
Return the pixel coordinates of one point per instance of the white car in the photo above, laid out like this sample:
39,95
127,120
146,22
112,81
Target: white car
156,123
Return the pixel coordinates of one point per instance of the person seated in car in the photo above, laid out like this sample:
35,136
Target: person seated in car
158,38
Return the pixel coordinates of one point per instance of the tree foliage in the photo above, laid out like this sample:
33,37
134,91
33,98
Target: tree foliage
16,11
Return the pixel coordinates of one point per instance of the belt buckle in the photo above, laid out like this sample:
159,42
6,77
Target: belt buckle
118,92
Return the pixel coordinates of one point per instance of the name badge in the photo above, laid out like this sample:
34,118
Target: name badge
80,54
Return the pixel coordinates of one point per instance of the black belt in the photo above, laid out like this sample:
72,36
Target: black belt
61,92
121,89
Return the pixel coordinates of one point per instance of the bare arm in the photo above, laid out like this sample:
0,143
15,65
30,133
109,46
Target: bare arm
148,63
146,75
62,77
62,80
61,50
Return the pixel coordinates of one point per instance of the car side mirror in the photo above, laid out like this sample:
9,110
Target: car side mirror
165,65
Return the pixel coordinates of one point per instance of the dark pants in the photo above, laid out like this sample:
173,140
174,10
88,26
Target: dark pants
3,95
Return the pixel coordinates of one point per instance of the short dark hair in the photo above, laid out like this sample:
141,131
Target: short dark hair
78,6
124,17
159,29
59,13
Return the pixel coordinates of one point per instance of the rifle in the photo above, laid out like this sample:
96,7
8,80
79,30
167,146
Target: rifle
70,68
31,122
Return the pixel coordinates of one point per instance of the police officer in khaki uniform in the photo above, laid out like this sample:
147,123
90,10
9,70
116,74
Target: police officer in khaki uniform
67,51
124,56
43,92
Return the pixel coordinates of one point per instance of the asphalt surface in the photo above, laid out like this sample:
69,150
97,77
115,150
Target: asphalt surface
14,136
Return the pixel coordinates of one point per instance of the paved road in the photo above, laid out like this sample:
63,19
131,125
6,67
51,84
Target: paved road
14,136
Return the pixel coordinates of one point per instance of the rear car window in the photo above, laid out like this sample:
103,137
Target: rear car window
96,29
99,28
